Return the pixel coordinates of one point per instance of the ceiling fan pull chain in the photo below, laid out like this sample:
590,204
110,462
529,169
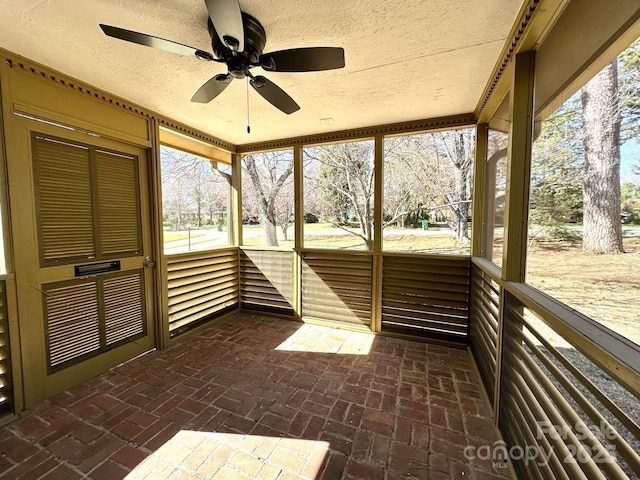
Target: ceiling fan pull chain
248,126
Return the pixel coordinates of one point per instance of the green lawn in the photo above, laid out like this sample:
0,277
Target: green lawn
180,235
325,235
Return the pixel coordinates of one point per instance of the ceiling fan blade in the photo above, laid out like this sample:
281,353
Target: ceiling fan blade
211,88
274,94
227,20
155,42
310,59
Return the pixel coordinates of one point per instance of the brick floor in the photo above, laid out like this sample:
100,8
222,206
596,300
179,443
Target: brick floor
258,397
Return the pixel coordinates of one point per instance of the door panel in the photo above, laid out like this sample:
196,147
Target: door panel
62,177
79,202
118,203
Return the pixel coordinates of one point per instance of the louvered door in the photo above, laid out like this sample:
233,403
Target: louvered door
87,201
89,300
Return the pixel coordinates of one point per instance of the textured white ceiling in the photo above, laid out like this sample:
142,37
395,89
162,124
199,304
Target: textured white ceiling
405,59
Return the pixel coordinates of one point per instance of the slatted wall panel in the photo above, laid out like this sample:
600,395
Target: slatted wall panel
200,286
266,280
556,404
89,316
426,296
62,174
118,206
6,384
124,308
72,316
483,331
337,286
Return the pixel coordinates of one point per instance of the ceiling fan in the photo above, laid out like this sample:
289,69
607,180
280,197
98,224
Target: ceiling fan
237,40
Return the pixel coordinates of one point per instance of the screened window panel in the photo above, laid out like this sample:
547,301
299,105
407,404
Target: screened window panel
63,192
117,182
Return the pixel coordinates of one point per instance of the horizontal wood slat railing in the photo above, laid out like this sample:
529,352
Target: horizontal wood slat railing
6,385
426,296
201,286
555,397
266,280
564,387
336,286
483,336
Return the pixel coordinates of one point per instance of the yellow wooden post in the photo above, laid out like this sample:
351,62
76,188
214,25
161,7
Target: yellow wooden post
517,199
160,272
376,274
299,230
479,211
519,169
236,200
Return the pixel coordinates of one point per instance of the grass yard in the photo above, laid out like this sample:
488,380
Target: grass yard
604,287
180,235
325,235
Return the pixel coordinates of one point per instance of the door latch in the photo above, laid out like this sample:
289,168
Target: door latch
148,263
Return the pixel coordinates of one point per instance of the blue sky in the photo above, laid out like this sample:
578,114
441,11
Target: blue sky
629,157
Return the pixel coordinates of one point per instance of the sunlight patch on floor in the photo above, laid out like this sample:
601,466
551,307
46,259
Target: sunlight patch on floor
192,454
317,339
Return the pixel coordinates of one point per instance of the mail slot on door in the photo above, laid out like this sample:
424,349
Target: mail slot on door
96,268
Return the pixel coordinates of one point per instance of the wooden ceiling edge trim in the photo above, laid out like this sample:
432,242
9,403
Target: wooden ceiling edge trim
453,121
14,60
197,134
534,21
508,51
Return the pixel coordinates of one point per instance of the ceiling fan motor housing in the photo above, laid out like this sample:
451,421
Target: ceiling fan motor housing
255,39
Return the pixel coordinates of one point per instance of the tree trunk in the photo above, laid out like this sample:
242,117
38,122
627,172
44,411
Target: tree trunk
601,188
270,234
268,218
461,195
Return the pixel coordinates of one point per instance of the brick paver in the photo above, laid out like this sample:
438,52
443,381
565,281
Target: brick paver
258,397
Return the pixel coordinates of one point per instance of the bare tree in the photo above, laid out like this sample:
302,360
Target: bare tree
268,172
430,172
601,189
191,182
216,196
457,146
345,179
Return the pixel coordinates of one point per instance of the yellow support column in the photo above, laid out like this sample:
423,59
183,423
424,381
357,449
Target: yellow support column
236,200
519,169
479,211
376,281
160,271
299,230
517,200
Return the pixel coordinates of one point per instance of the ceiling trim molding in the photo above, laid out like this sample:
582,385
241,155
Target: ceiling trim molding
197,134
454,121
510,48
28,66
